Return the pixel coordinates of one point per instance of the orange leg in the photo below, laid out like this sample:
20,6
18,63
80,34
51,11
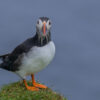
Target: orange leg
30,87
37,84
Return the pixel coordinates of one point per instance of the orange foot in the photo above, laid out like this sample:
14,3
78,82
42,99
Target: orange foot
29,87
39,85
32,88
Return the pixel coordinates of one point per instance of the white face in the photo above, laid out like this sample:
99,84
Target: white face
43,26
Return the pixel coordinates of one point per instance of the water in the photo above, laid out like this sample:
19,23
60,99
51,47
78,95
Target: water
75,70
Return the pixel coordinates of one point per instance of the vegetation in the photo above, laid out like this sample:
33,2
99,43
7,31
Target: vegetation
17,91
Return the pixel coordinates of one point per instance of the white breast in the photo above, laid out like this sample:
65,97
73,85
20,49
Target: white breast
37,59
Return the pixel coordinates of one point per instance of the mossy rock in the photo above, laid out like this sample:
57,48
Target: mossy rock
17,91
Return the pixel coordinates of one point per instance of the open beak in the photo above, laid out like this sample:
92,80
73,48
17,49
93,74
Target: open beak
44,28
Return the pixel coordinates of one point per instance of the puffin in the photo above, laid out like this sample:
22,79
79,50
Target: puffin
31,56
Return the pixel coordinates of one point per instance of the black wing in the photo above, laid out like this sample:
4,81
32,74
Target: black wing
13,60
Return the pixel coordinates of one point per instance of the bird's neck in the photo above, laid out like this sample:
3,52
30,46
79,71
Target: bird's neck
42,40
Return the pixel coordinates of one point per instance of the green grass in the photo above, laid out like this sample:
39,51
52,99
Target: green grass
17,91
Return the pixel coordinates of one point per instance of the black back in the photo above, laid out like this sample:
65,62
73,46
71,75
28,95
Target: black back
13,60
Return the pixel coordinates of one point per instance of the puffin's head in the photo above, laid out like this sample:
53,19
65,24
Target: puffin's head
43,26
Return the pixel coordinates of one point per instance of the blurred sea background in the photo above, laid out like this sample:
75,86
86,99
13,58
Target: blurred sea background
75,70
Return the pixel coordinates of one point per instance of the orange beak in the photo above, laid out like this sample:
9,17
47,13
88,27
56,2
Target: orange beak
44,28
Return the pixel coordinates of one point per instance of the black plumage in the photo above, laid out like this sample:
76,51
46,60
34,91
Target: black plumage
12,61
32,55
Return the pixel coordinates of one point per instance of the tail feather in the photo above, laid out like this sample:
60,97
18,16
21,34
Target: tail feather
1,65
4,66
3,57
5,63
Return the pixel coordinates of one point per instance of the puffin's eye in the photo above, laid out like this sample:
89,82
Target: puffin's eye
49,23
38,22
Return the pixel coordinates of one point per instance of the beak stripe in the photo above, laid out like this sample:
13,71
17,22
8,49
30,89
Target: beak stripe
44,28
